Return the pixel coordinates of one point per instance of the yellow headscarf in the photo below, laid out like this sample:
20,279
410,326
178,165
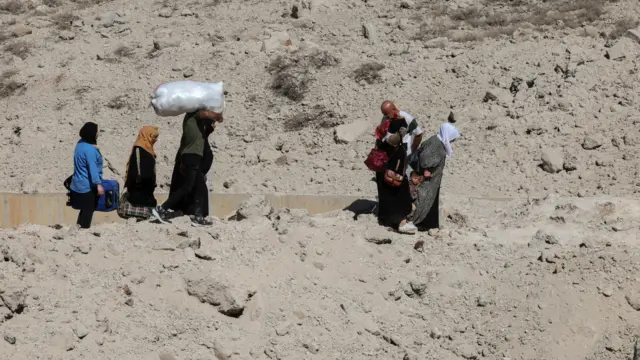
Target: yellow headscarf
147,137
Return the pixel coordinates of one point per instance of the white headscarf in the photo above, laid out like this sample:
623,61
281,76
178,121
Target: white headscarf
446,134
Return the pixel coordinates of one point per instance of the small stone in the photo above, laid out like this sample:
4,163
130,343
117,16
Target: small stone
186,12
483,301
614,344
347,133
129,302
165,12
435,333
202,255
634,300
166,356
636,350
67,35
407,4
369,31
189,73
113,249
312,347
552,161
10,339
84,248
606,291
283,328
419,246
590,143
419,288
107,19
20,31
544,237
318,265
81,331
221,352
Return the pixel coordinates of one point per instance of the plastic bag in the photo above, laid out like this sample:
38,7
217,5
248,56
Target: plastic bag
180,97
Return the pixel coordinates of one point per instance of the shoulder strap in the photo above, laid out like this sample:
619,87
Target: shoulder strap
138,163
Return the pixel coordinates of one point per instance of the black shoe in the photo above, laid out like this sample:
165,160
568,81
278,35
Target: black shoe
198,221
160,214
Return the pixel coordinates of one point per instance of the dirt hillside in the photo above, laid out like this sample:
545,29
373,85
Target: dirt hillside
522,79
286,285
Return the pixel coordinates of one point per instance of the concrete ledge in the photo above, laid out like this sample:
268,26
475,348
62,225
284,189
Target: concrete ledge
50,209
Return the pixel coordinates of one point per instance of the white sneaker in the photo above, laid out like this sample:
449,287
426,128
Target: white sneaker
407,228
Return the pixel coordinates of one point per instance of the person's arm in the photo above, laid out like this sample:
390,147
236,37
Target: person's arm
132,170
147,167
94,171
416,142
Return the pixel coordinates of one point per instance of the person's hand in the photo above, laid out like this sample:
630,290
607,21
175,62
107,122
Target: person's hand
100,190
427,174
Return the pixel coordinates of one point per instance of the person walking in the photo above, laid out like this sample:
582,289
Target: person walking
429,161
188,191
86,181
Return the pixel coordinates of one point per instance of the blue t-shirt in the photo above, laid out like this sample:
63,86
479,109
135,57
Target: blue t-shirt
87,168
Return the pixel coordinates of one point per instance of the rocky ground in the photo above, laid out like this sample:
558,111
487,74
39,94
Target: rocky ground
549,278
544,93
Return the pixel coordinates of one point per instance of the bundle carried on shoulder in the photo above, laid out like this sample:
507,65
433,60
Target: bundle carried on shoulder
180,97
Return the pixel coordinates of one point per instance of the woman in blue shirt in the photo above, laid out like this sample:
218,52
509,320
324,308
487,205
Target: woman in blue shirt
86,183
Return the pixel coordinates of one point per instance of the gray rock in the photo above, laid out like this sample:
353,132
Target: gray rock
483,301
165,12
614,344
347,133
107,19
256,206
607,291
418,287
220,352
268,156
544,237
312,347
80,330
189,72
283,328
203,255
10,339
636,350
165,356
552,161
67,35
407,4
634,300
570,163
14,298
591,143
369,31
228,301
20,31
189,254
186,12
466,351
113,249
166,42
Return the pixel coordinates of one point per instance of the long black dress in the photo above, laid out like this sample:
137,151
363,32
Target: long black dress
198,201
141,183
394,203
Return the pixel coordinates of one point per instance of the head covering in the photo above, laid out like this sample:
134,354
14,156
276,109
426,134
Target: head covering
89,133
394,140
147,137
446,134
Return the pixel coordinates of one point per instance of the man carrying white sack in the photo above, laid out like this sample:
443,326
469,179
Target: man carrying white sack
189,192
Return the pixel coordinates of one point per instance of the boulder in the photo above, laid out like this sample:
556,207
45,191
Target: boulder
229,301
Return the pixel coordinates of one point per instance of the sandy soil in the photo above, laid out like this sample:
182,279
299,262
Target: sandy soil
80,61
545,94
286,285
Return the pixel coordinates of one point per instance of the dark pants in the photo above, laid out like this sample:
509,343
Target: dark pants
87,203
193,179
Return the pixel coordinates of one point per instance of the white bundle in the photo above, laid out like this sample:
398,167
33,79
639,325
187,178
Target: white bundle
180,97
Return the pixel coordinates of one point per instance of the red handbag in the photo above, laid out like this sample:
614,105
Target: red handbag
395,178
376,160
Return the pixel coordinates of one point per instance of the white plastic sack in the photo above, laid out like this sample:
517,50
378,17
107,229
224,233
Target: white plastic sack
179,97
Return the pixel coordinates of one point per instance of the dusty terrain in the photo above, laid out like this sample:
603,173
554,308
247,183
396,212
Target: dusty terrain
291,80
545,94
286,285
